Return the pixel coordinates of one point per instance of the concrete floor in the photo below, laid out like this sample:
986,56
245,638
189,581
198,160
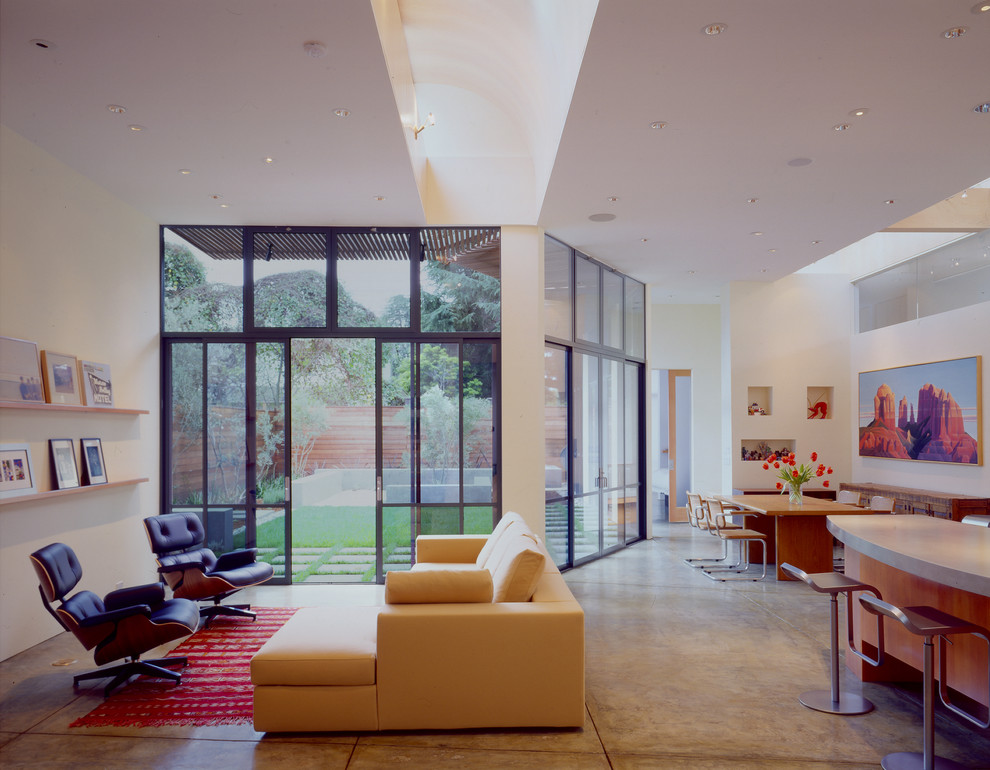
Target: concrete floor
682,672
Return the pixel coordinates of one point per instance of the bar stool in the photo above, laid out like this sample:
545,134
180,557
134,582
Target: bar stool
930,622
834,583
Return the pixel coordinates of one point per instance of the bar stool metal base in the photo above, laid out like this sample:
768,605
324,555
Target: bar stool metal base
913,760
848,704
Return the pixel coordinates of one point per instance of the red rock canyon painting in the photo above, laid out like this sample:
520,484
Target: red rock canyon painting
928,412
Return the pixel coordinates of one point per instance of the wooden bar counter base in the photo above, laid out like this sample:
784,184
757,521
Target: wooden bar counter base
919,560
796,534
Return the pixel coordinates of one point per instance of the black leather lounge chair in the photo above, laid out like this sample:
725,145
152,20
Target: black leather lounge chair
195,572
124,624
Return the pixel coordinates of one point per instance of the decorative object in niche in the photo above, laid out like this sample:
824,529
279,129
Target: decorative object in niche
759,400
61,375
820,403
64,463
93,463
928,412
96,384
758,450
16,473
20,374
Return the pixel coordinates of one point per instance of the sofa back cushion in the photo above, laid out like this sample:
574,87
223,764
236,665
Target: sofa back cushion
519,571
438,586
507,520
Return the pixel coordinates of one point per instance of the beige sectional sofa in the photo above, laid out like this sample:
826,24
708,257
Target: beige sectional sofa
482,632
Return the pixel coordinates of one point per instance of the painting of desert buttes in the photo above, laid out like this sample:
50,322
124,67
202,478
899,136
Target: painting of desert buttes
927,412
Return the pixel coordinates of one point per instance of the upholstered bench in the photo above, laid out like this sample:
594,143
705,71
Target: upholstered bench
319,669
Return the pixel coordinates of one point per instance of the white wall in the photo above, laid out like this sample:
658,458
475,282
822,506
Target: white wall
78,275
790,335
689,337
522,461
955,334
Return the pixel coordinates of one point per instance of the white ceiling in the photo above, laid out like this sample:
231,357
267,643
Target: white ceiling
543,111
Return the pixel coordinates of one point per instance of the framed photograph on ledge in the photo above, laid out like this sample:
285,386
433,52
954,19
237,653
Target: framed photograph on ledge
96,385
93,465
61,373
64,463
16,473
20,374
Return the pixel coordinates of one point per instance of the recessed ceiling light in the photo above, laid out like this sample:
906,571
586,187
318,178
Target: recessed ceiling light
692,272
658,124
216,196
889,202
602,217
763,269
757,232
39,43
752,200
225,205
315,49
982,108
981,7
715,29
185,171
340,112
136,127
643,240
772,251
858,112
954,32
612,198
269,160
815,243
799,162
840,127
379,197
116,109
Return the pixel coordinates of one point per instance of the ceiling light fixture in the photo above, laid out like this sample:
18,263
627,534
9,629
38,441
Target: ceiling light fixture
136,127
643,240
116,109
858,112
752,200
185,171
840,127
39,43
269,160
965,194
715,29
602,217
983,109
799,162
772,251
612,198
340,112
692,272
815,243
315,49
889,202
379,197
757,232
216,196
954,32
658,124
981,7
225,205
430,121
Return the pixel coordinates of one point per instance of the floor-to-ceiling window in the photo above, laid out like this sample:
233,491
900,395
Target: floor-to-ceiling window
594,370
331,393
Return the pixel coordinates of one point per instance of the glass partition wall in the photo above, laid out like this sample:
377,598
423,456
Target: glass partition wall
331,393
594,368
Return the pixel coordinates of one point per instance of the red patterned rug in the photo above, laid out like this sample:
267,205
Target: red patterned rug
215,687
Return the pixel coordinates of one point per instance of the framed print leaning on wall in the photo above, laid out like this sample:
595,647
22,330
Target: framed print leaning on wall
20,374
97,387
64,463
61,375
928,412
16,473
93,464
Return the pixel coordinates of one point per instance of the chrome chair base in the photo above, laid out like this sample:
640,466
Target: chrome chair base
848,704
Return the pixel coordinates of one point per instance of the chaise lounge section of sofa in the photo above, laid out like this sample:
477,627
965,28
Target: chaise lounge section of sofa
482,632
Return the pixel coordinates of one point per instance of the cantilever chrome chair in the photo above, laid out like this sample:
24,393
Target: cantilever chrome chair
124,624
731,532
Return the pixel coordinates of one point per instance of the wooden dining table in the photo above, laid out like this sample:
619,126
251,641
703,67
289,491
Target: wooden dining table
796,534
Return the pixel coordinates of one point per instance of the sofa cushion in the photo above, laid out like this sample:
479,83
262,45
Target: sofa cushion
438,586
507,520
519,571
321,646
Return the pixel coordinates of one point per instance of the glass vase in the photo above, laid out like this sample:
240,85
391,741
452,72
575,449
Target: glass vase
794,496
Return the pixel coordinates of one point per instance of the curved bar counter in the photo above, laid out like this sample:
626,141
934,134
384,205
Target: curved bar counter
919,560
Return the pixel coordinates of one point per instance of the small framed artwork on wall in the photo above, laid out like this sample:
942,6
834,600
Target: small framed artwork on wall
93,464
64,463
61,377
20,374
16,473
